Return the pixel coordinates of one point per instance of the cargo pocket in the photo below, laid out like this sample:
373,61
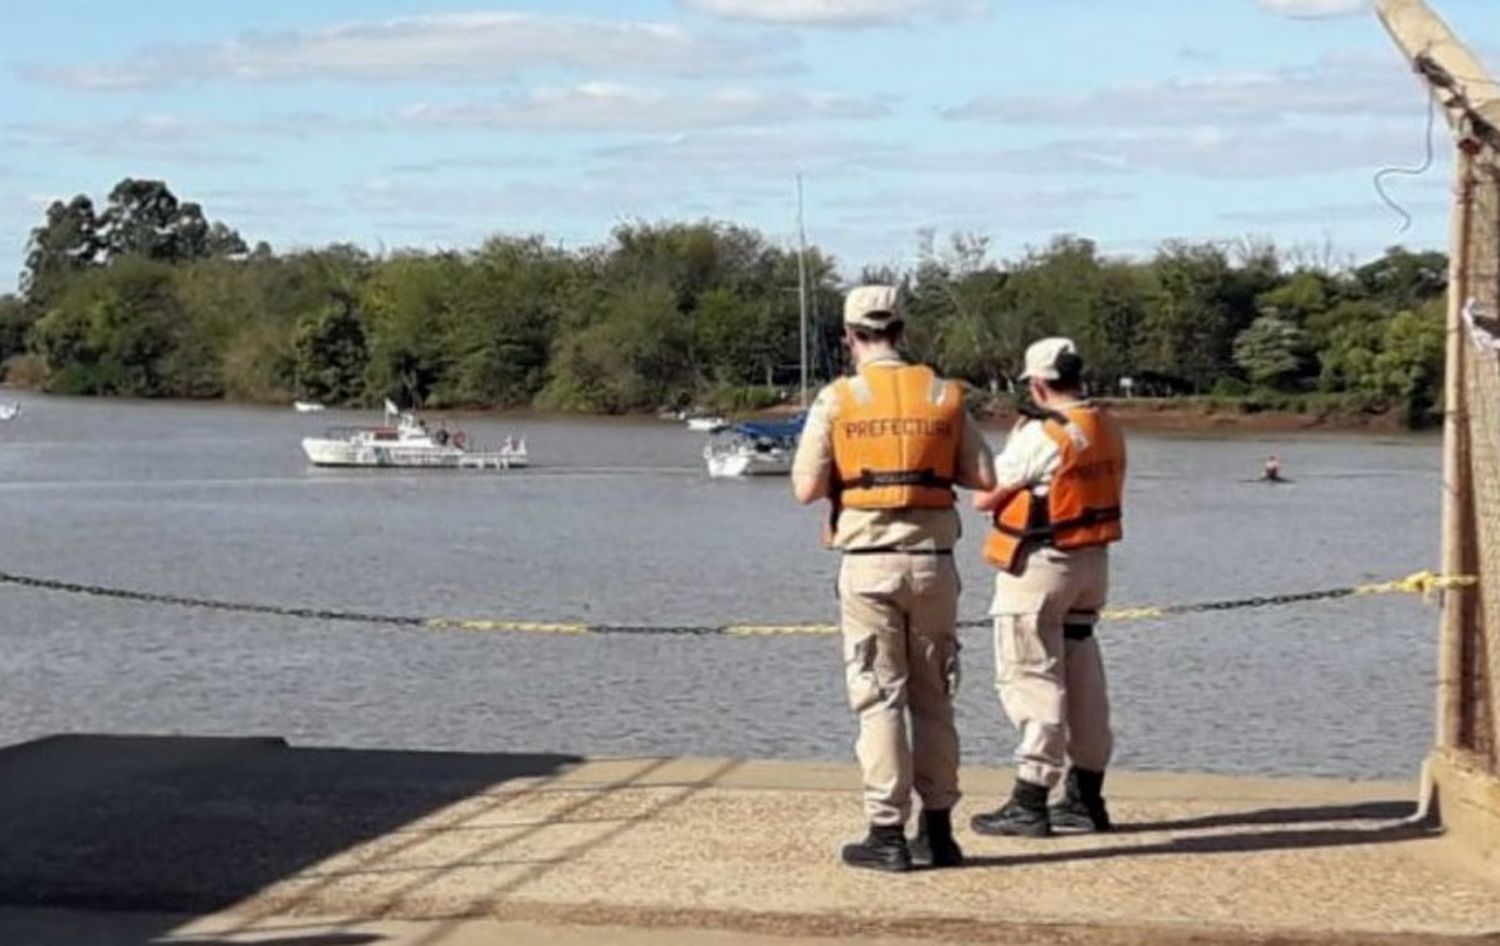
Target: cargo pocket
1019,649
859,673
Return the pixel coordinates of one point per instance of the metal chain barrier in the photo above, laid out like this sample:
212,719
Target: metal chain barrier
1424,583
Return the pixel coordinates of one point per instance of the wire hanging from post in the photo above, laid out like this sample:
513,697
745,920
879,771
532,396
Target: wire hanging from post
1423,168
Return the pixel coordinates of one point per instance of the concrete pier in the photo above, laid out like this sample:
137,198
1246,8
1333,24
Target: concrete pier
234,840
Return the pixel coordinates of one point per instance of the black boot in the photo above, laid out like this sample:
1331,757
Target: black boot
883,849
1082,808
934,844
1025,814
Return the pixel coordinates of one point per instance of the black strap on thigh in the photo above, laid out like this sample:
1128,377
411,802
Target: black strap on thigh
1077,632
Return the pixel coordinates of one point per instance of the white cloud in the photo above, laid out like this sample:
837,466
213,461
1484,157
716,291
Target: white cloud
155,138
450,46
1238,153
266,203
1369,211
834,12
175,139
550,206
762,154
1311,9
530,161
752,153
612,107
1199,54
1208,152
950,207
1338,86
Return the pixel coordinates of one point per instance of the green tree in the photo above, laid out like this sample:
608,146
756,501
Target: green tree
410,303
67,243
144,218
958,305
1271,352
1398,359
511,295
727,329
15,323
114,332
1305,294
332,355
1410,364
1403,279
633,357
1189,326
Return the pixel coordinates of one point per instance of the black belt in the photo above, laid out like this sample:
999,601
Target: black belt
896,550
870,479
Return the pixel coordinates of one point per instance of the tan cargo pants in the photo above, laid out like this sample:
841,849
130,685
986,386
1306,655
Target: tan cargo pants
898,615
1048,669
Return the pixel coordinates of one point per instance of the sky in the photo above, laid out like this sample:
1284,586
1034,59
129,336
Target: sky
431,125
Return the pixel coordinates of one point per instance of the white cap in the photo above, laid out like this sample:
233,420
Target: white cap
1042,358
873,307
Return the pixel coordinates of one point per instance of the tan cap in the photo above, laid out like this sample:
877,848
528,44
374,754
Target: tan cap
1042,358
873,307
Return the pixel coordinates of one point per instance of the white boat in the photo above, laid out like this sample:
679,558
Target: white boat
10,411
409,443
707,424
306,407
753,449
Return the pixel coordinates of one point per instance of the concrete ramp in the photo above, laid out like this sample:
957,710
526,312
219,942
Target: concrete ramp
440,848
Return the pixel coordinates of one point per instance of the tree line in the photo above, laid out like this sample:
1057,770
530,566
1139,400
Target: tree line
148,297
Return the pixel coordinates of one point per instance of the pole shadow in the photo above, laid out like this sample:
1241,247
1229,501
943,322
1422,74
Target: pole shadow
195,825
1243,842
1310,814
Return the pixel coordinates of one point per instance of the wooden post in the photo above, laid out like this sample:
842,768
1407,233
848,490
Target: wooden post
1470,100
1458,496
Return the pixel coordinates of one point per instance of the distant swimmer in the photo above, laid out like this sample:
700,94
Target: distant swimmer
1271,472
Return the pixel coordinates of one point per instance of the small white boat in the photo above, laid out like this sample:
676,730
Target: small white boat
409,443
10,411
306,407
707,424
752,449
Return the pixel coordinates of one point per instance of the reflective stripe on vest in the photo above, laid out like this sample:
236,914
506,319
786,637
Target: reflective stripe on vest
1082,508
895,438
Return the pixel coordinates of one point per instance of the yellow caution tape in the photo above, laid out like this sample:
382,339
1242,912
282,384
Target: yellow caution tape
768,630
1422,583
1132,614
520,627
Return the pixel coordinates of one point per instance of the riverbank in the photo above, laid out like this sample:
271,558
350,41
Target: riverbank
1213,415
1182,414
262,836
1208,414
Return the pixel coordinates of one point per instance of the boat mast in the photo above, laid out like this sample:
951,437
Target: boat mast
802,293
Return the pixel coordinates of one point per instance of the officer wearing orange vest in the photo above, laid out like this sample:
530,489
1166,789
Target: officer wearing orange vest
886,447
1057,508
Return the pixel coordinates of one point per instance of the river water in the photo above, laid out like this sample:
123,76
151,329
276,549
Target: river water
616,523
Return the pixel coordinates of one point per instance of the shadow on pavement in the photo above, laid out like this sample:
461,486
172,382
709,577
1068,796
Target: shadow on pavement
1311,814
199,824
1390,832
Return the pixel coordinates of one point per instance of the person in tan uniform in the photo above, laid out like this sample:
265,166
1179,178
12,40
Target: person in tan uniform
1057,508
886,447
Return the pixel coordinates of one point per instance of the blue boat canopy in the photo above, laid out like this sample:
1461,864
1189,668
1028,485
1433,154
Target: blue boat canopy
772,430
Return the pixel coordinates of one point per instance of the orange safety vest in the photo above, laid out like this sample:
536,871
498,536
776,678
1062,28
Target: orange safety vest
895,438
1082,505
